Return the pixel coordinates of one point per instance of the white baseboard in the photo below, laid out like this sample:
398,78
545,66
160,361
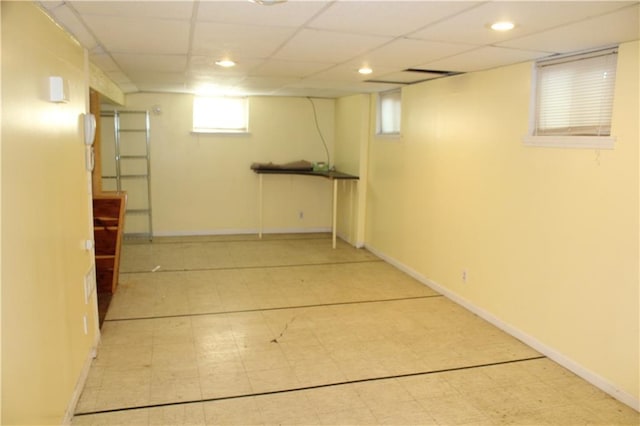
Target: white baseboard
199,233
568,363
82,379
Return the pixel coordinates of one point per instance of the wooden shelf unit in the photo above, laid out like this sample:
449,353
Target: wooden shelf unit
108,225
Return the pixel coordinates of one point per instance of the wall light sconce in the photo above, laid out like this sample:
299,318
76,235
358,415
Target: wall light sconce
58,89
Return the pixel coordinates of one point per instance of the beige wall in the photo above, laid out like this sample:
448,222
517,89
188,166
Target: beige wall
202,184
548,237
352,140
46,205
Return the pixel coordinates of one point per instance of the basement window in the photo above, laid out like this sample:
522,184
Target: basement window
389,113
220,115
574,101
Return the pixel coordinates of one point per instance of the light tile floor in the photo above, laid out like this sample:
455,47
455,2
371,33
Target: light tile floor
236,331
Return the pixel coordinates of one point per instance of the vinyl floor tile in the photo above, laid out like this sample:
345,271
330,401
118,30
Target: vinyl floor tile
230,330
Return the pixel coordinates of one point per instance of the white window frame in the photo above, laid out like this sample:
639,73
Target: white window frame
209,115
568,140
385,115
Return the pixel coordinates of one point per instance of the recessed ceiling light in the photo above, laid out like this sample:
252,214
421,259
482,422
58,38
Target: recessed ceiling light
365,70
502,26
267,2
226,63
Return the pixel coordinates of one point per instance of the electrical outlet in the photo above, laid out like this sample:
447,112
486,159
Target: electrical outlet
464,276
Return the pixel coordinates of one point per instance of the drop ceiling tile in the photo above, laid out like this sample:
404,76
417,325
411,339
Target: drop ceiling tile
69,20
483,58
325,46
308,92
208,85
119,77
289,14
104,61
237,87
280,68
529,16
341,86
348,73
374,87
248,40
315,46
168,87
390,18
206,65
263,84
154,81
160,63
212,90
405,53
128,87
49,5
138,9
140,35
612,28
407,77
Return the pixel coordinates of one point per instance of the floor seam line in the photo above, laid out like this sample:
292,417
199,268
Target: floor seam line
304,388
298,265
131,242
277,308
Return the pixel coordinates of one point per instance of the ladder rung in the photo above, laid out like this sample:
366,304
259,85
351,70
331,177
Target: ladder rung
134,176
138,211
139,130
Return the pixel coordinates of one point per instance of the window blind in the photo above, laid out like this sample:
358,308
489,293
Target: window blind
575,94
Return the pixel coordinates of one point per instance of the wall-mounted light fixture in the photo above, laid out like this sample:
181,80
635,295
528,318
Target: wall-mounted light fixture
58,89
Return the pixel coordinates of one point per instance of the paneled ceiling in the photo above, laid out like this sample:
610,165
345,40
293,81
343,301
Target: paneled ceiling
315,48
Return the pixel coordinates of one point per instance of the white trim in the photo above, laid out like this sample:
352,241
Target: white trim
199,132
394,137
82,380
588,375
589,142
241,232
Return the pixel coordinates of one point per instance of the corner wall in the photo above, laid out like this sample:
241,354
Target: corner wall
548,237
352,142
47,216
